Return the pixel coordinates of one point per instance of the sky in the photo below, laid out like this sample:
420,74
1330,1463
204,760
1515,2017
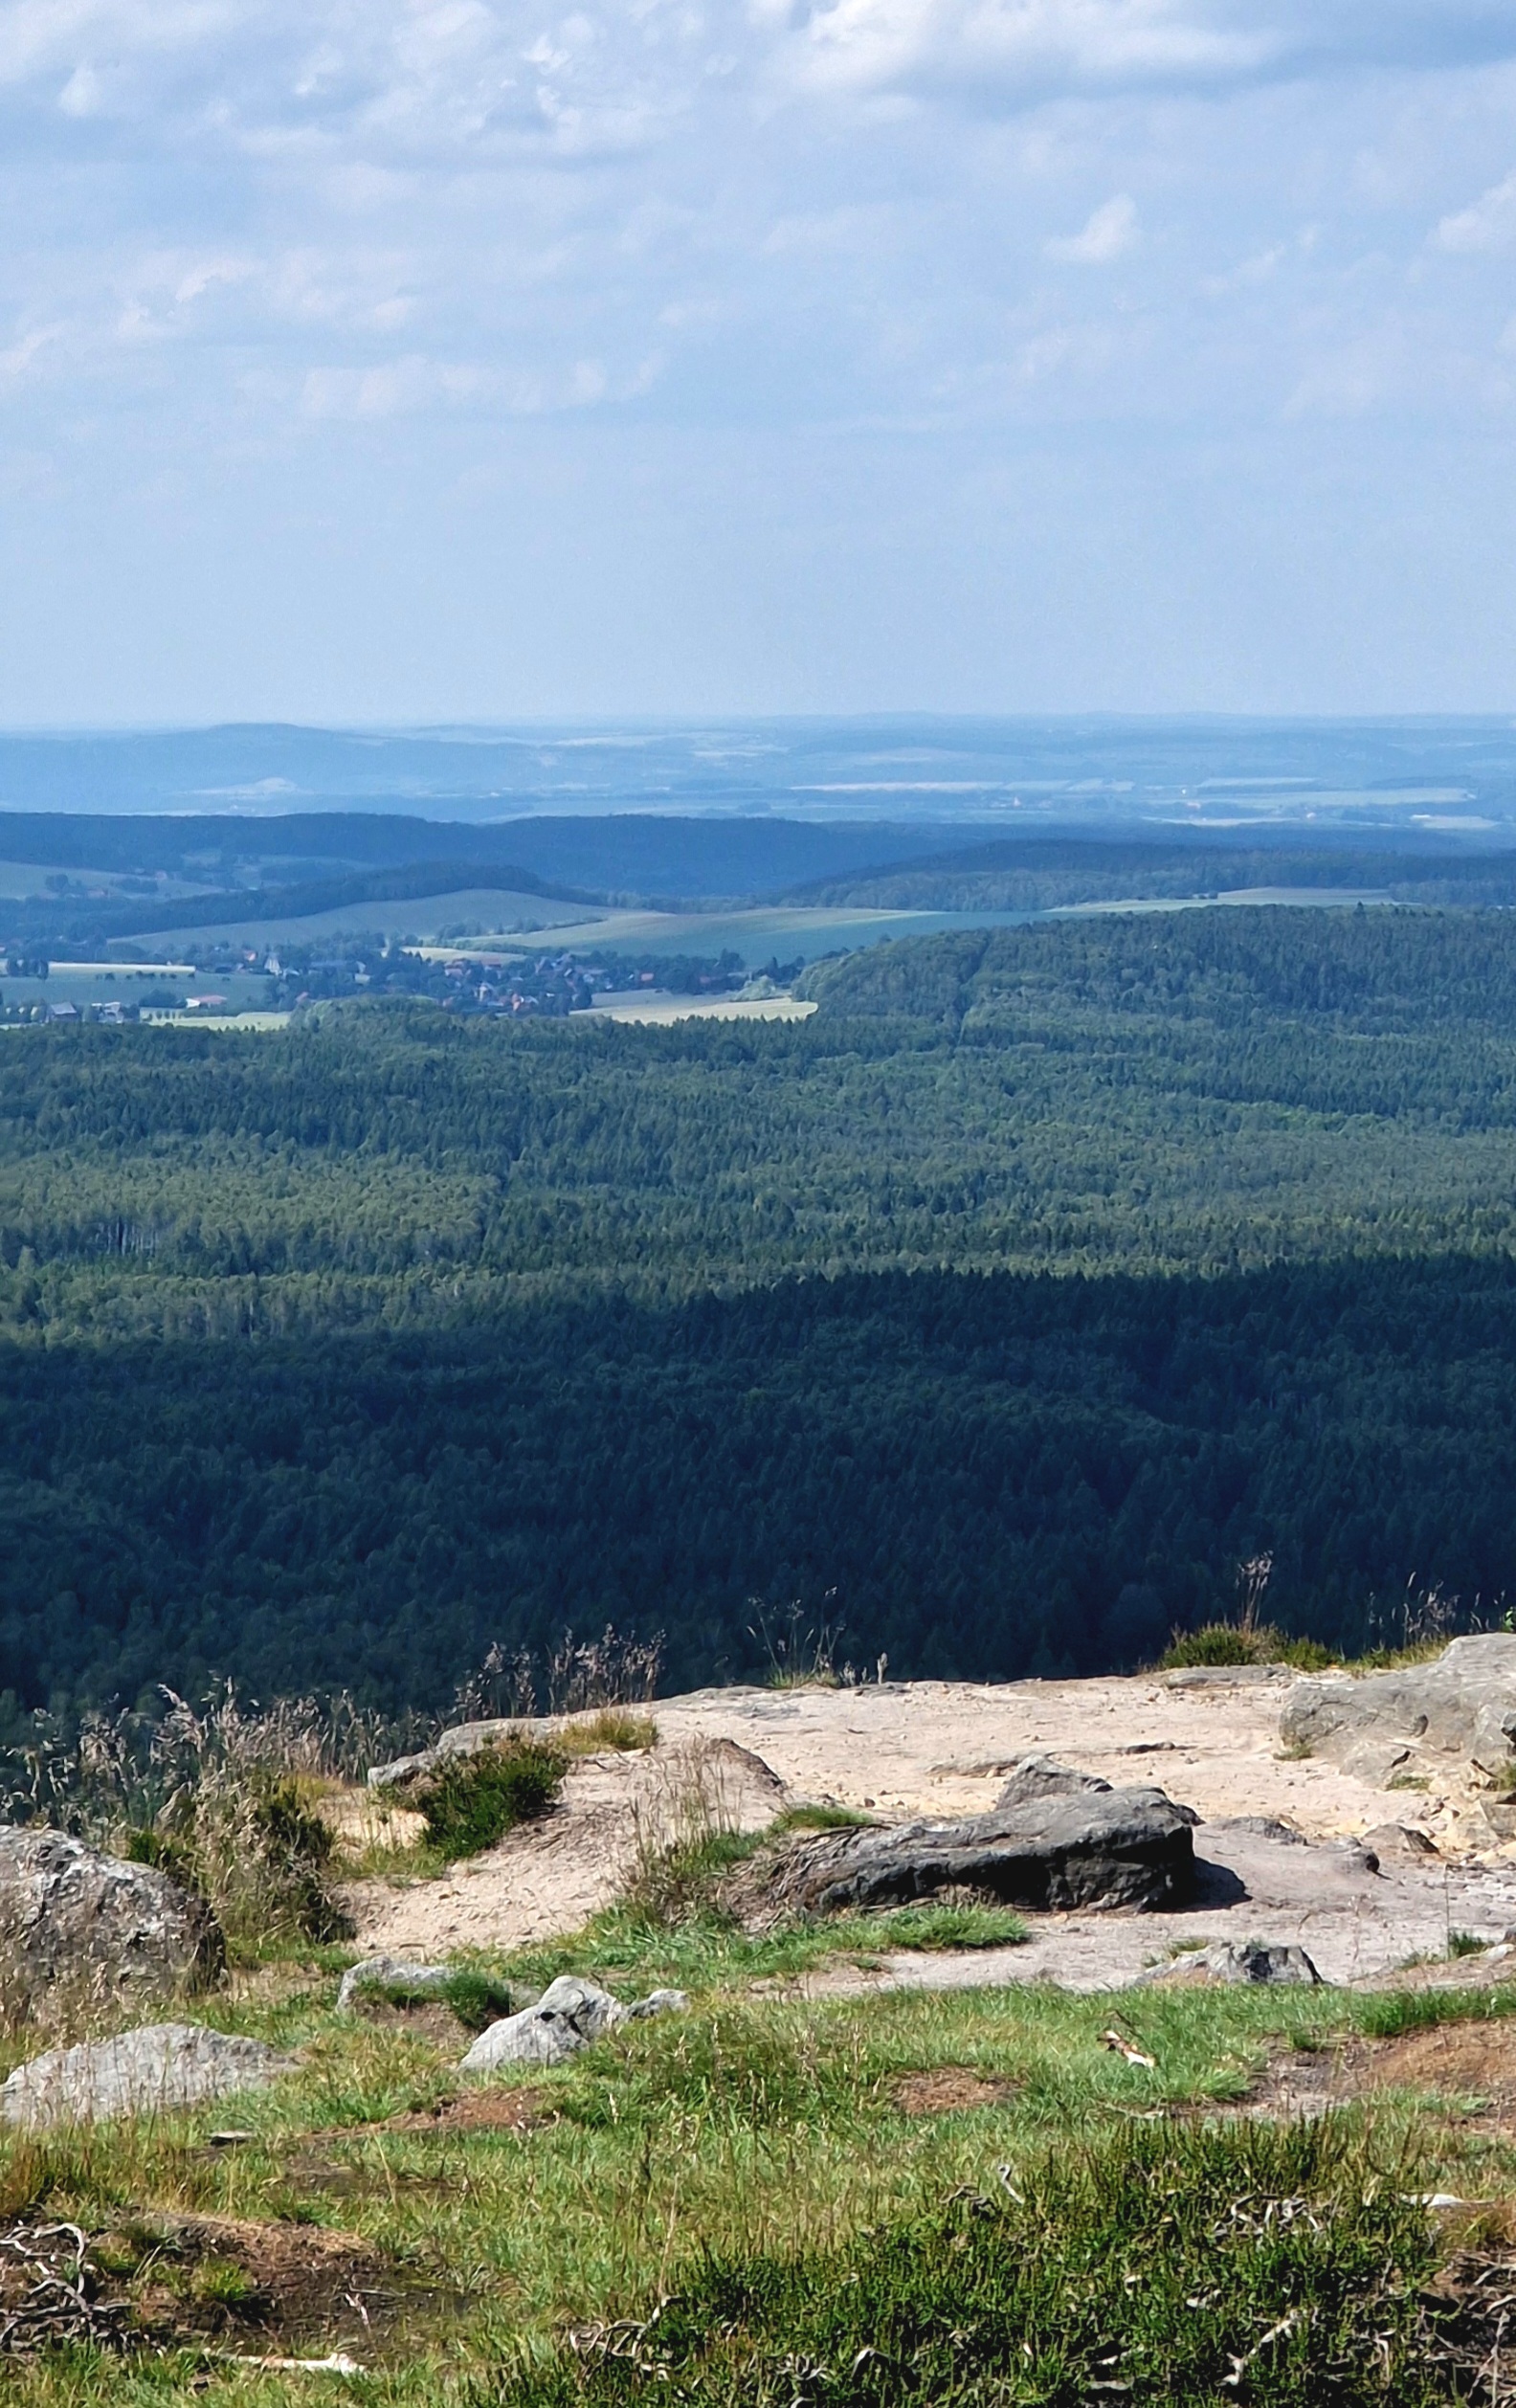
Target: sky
400,361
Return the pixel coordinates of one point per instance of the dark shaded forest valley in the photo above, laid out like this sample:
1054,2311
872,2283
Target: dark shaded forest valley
992,1316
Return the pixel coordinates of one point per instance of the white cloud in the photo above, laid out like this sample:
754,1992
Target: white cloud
1106,234
395,78
17,360
1256,270
1030,48
206,274
82,94
399,388
259,231
1489,225
1034,46
454,79
404,387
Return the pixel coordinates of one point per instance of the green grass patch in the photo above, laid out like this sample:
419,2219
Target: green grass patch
1172,2264
476,1998
783,2141
1222,1643
823,1819
701,1950
1386,2016
927,1928
705,1950
469,1803
613,1728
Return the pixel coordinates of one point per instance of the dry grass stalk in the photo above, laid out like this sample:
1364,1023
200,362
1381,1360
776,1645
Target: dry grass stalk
683,1810
220,1796
611,1670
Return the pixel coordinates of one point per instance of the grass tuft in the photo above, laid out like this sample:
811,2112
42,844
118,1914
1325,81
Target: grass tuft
821,1818
1395,2012
476,1998
1221,1643
927,1928
469,1803
613,1728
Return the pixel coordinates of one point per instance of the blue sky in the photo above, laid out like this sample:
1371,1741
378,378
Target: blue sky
398,360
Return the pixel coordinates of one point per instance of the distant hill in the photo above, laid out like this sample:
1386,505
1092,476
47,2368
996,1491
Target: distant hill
82,880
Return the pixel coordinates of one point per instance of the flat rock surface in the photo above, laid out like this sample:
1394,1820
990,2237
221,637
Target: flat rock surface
157,2068
945,1750
1458,1711
1357,1926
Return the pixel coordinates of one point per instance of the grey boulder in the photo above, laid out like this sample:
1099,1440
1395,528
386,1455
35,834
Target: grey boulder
159,2067
1236,1961
80,1927
389,1973
570,2016
1096,1848
1036,1778
1401,1842
1462,1707
458,1740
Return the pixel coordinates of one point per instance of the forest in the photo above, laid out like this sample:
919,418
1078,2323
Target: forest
989,1318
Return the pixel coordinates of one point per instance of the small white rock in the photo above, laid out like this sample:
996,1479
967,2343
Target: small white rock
389,1973
570,2016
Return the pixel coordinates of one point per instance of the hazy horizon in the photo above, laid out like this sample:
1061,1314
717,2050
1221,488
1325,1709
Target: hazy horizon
1413,780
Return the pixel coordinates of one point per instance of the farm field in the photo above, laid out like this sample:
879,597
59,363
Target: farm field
793,933
655,1011
417,917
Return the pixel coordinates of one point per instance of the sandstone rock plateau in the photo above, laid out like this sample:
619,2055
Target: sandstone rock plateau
1428,1719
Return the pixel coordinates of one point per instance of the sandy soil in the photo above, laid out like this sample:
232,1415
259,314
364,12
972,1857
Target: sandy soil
548,1877
940,1748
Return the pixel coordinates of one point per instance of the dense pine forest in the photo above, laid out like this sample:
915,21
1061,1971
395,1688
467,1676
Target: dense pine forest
994,1314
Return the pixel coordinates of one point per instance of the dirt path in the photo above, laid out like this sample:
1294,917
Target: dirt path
550,1877
938,1747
